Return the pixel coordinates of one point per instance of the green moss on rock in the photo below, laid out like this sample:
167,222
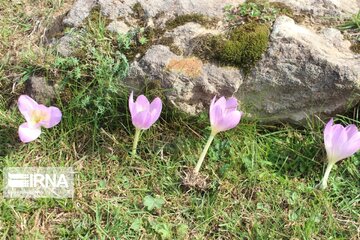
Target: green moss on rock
282,8
242,47
195,17
138,11
169,41
355,47
95,17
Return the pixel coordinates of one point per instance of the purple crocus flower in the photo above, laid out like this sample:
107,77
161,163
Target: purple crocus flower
223,116
143,115
340,143
36,116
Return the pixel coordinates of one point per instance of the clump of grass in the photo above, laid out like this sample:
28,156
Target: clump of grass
242,47
352,24
352,28
261,11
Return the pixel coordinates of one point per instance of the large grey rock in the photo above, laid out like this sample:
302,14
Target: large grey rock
118,27
115,9
67,44
302,73
191,83
39,89
212,8
320,8
79,12
183,35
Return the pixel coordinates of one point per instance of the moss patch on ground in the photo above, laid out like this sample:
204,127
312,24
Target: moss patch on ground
138,11
195,17
355,47
242,47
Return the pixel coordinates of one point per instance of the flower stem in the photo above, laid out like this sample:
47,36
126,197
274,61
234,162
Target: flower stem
324,180
202,156
136,140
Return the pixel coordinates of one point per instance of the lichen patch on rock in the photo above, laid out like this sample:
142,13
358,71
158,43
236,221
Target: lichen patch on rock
191,67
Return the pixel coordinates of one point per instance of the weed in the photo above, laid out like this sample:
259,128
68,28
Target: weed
351,24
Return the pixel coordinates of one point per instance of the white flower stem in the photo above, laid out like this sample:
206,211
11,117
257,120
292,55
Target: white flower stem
136,140
323,183
203,154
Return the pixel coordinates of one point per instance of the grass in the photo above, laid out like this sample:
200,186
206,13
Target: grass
262,177
353,23
351,27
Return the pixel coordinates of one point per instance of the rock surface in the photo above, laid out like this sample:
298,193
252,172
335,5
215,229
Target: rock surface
183,35
118,27
39,89
115,9
302,73
79,12
321,8
213,8
191,83
67,44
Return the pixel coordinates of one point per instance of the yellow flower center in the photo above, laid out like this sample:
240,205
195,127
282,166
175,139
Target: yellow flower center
37,116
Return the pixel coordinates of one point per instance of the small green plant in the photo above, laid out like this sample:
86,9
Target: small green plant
153,203
352,24
246,12
137,41
352,27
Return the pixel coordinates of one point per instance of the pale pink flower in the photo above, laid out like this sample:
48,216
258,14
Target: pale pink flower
340,143
36,116
224,114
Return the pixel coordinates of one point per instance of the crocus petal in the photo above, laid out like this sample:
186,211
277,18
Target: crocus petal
142,120
349,149
340,142
212,111
141,104
26,104
27,133
334,146
131,104
231,104
351,130
155,110
328,133
54,118
230,121
221,102
354,137
339,136
215,117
